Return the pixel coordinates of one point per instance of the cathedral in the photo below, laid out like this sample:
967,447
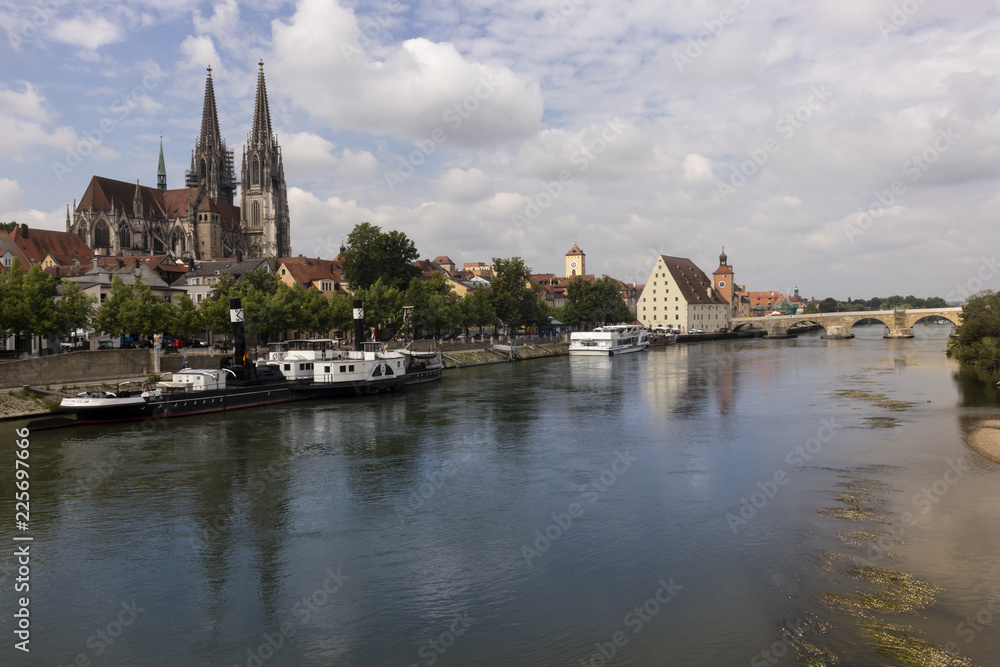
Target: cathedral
200,220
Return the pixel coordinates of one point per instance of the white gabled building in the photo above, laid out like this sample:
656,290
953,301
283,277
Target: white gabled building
678,295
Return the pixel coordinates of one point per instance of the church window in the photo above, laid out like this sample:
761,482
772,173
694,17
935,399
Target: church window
102,235
124,236
255,214
255,172
177,243
157,246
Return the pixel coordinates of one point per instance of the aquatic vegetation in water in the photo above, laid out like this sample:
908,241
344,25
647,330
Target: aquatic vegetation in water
859,394
900,643
880,422
895,406
854,514
802,637
878,592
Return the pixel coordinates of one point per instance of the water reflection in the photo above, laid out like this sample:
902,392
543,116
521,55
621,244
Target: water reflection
363,532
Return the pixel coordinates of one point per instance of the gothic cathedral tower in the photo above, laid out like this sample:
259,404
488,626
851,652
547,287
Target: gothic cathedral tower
211,163
263,198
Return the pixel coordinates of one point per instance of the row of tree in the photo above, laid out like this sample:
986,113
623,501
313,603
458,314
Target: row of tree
37,304
379,267
831,305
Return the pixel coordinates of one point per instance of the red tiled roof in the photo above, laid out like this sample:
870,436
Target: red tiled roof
772,298
304,270
575,250
103,194
7,244
178,202
63,246
692,281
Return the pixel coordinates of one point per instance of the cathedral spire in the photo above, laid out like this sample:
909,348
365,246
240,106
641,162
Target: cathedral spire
210,135
211,162
260,133
161,172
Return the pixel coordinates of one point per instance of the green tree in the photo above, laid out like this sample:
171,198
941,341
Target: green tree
935,302
977,339
811,310
341,313
8,226
15,312
828,305
149,314
894,301
133,310
383,305
39,293
478,311
214,308
512,293
317,312
186,318
109,316
590,303
76,307
372,254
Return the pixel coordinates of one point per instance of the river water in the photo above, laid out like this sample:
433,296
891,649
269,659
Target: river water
730,503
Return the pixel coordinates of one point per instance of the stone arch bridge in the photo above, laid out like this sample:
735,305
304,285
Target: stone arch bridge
838,325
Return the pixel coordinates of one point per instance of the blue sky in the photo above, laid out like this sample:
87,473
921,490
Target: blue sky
849,147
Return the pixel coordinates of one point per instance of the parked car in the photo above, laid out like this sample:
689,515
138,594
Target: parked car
460,337
197,342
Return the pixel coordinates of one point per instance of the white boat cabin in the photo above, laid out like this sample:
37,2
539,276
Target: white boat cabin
322,360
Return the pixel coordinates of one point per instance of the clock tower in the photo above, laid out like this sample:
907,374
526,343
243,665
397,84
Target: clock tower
722,281
576,262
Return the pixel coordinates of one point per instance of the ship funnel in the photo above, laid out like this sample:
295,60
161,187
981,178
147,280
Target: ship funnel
359,324
239,339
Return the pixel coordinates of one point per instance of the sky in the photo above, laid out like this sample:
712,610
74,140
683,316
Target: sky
847,147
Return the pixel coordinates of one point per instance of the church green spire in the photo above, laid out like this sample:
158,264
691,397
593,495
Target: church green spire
161,173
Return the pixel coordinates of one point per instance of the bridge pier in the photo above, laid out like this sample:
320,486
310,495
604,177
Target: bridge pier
899,333
837,333
779,331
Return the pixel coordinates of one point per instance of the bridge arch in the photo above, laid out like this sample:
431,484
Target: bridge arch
954,318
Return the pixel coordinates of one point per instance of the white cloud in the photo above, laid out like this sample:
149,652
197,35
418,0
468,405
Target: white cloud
24,117
11,195
416,88
90,32
464,185
359,166
199,52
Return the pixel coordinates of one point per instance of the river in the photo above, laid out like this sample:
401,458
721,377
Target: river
755,502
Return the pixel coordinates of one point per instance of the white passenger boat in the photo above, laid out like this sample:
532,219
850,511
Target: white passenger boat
608,340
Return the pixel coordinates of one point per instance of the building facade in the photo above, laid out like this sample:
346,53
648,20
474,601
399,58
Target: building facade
678,295
200,220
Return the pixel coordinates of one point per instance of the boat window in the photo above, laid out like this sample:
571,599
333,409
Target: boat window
351,368
326,369
288,367
343,369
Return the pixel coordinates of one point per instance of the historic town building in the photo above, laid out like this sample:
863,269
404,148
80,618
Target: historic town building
678,295
200,220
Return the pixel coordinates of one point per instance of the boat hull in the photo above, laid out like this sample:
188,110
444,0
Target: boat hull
604,352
